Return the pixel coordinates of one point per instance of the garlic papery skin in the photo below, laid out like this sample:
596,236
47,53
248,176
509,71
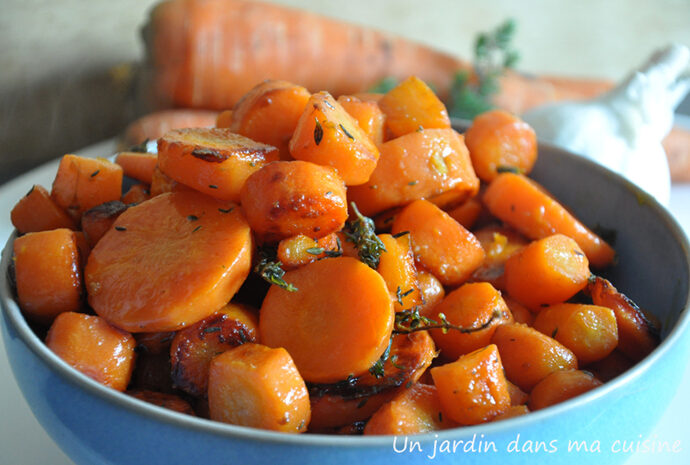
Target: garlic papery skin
623,129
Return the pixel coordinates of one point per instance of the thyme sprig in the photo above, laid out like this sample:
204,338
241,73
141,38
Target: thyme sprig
377,369
270,269
362,233
409,321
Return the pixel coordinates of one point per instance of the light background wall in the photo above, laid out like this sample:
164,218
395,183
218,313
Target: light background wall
62,83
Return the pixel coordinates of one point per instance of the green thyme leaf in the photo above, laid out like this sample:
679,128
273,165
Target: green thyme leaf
270,269
362,233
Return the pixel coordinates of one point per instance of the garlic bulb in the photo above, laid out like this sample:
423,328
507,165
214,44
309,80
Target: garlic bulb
623,128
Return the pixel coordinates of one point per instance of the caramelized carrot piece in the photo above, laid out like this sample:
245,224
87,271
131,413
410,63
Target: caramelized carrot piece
517,395
168,401
616,363
467,213
412,411
473,389
560,386
440,244
136,194
527,207
94,347
96,221
162,183
327,135
36,211
269,113
155,125
472,305
431,290
199,258
288,198
547,271
396,266
412,105
254,385
137,165
367,114
328,346
589,331
193,348
499,244
530,356
47,274
422,164
216,162
521,314
499,140
638,331
299,250
82,183
357,398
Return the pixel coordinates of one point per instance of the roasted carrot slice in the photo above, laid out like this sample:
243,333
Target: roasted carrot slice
94,347
472,305
193,347
440,244
327,135
288,198
269,113
169,262
638,331
412,105
169,401
299,250
47,274
527,207
473,389
349,337
419,165
36,211
138,165
413,411
589,331
357,398
560,386
498,141
530,356
368,115
96,221
82,183
254,385
547,271
396,265
213,161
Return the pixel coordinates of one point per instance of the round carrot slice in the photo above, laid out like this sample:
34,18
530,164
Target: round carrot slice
337,323
169,262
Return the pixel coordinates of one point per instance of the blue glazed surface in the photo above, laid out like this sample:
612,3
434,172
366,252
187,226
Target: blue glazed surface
95,425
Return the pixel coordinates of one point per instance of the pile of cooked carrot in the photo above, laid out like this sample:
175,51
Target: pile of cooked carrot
327,265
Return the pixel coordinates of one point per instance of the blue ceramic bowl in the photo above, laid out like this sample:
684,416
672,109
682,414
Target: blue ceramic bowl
97,425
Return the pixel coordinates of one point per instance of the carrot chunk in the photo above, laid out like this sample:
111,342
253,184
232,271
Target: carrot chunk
94,347
547,271
337,323
468,212
499,243
48,274
473,389
431,290
137,165
560,386
269,113
440,244
96,221
199,258
413,411
161,399
589,331
472,305
299,250
37,211
396,266
327,135
530,356
419,165
499,140
527,207
254,385
216,162
411,105
136,194
82,183
287,198
367,114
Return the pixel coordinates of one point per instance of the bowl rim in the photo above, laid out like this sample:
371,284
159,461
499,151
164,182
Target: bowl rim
201,425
